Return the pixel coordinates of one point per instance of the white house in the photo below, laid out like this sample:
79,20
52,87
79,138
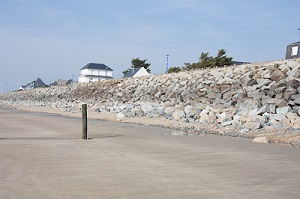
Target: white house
93,72
136,72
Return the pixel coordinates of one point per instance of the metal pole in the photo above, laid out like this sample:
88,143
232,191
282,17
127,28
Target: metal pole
167,67
84,121
106,72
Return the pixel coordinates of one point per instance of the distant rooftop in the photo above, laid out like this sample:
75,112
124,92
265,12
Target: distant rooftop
96,66
131,72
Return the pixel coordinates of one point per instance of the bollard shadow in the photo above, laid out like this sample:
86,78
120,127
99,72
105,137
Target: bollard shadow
57,138
104,137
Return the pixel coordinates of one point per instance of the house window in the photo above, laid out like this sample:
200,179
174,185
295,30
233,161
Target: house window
294,50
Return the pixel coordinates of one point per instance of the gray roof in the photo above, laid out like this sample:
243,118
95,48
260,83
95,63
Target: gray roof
35,84
239,62
96,66
295,44
61,82
38,83
132,72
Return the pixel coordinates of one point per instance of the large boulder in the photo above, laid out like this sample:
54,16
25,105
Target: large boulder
277,75
262,140
252,125
284,110
178,114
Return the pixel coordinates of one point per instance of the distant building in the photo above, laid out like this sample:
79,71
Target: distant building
136,72
62,82
35,84
292,51
239,62
93,72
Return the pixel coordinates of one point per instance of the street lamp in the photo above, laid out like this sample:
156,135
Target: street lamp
299,33
106,72
167,67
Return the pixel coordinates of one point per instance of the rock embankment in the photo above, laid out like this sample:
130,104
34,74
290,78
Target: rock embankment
246,100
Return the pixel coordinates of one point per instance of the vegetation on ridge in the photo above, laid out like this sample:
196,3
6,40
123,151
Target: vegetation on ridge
205,61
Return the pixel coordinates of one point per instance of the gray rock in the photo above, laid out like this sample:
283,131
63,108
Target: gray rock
244,130
169,110
293,64
262,140
252,82
270,108
297,101
225,80
262,82
190,111
293,73
297,144
284,67
284,110
119,94
120,115
277,117
252,125
178,114
226,123
294,97
178,133
278,75
146,107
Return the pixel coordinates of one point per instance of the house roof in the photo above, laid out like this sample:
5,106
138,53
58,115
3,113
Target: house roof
295,44
35,84
96,66
39,83
132,72
61,82
239,62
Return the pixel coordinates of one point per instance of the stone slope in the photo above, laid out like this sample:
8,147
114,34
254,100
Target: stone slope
244,98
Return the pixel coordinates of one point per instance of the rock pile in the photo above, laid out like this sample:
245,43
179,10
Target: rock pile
247,97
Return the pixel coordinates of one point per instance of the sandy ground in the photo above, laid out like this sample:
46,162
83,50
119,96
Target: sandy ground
283,136
42,156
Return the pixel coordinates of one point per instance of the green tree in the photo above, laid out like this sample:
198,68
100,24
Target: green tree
125,71
138,63
221,59
206,61
174,69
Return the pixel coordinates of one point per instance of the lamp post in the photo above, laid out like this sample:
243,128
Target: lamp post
167,66
299,33
106,72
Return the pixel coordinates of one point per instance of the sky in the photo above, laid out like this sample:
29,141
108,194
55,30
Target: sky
54,39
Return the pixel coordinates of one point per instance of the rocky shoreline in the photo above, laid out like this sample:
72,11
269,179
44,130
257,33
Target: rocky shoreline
258,101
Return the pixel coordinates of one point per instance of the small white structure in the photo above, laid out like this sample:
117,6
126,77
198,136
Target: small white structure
136,72
93,72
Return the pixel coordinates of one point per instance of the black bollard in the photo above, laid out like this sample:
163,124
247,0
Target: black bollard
84,121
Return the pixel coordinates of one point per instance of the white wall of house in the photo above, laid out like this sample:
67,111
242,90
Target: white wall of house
96,72
84,75
141,72
83,79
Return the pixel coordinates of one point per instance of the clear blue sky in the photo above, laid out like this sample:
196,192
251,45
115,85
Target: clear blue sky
53,39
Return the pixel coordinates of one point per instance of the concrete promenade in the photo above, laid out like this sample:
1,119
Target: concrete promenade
42,156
